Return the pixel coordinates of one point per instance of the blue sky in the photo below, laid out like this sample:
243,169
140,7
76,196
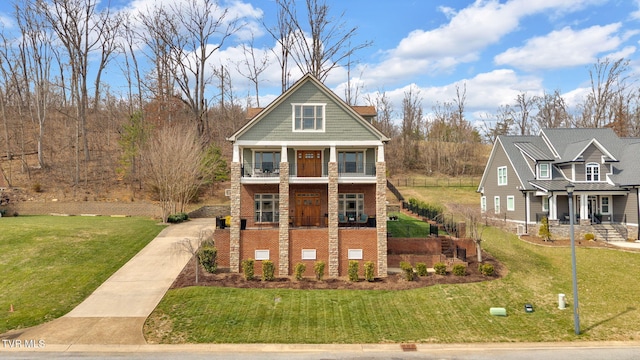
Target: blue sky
496,48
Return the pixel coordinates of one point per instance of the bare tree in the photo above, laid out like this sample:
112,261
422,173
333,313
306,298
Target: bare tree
521,114
253,66
412,127
192,247
282,33
608,82
173,158
321,42
552,111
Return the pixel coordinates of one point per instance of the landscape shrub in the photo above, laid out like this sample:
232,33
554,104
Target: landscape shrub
299,271
459,270
268,270
421,269
486,269
208,256
177,218
369,271
544,231
353,270
248,269
407,270
589,236
423,209
440,268
318,269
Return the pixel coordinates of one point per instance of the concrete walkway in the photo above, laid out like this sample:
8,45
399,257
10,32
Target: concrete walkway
114,314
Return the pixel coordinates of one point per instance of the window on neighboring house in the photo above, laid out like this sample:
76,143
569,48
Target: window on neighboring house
351,206
544,171
308,117
267,207
511,203
483,204
267,161
604,204
545,203
351,162
593,171
496,204
502,175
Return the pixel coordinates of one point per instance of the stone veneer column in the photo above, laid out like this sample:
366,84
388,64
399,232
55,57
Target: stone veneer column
334,248
283,240
234,241
381,217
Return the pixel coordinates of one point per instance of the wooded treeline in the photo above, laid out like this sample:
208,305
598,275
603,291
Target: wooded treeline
63,125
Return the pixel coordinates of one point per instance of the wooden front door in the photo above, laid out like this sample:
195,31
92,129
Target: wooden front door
309,163
307,209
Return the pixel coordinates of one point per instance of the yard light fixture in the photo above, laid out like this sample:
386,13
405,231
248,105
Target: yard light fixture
576,317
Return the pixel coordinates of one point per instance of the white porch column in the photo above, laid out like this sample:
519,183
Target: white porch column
584,206
553,207
332,154
380,153
284,154
236,154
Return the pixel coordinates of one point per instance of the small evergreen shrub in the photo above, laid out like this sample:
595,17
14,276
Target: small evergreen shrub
589,236
459,270
208,256
440,268
368,271
318,269
544,231
407,270
248,269
421,269
486,269
299,271
268,270
177,218
353,270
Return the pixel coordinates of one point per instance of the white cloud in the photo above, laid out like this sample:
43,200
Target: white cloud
565,47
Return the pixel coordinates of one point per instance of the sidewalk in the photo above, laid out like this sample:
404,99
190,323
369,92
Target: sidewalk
115,312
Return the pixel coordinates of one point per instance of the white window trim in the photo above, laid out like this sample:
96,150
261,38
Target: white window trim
293,117
261,255
364,159
253,156
483,204
540,176
511,203
308,254
609,204
592,165
545,204
355,254
496,204
342,204
276,207
506,180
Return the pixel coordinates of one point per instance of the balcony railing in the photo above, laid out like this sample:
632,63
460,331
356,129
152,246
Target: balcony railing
262,170
356,169
269,170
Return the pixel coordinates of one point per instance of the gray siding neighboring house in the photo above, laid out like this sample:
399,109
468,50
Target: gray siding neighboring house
603,168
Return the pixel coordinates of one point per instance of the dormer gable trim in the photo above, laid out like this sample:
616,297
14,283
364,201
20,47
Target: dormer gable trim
600,147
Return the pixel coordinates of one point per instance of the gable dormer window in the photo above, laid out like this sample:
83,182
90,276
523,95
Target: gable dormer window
308,117
544,171
592,171
502,175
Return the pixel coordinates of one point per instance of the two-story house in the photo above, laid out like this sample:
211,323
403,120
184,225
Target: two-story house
526,178
308,183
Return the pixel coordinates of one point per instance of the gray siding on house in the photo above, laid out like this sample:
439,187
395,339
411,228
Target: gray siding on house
491,188
536,206
626,205
339,124
590,155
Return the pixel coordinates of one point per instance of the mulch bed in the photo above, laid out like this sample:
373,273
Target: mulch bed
567,242
391,282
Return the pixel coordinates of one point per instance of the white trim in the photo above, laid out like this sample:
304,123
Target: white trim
309,143
483,204
261,255
506,178
314,130
496,205
539,172
513,203
308,254
355,254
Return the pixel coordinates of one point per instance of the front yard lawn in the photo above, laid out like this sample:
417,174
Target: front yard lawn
407,227
51,264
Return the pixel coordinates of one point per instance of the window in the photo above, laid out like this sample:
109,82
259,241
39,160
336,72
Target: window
351,206
511,203
545,204
543,171
267,161
593,172
502,175
483,204
355,254
261,255
604,205
308,117
351,162
308,254
267,207
496,204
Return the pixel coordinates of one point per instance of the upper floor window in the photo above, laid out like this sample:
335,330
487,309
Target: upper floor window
502,175
544,171
593,171
351,162
267,161
308,117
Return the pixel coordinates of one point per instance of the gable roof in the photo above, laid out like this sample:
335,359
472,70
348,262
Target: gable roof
308,78
568,144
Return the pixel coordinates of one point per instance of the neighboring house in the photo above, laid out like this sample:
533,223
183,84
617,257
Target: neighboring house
526,179
308,183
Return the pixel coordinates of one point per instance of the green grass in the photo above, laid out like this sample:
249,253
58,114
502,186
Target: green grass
407,227
442,313
50,264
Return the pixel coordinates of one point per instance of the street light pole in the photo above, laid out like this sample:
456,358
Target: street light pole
576,317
